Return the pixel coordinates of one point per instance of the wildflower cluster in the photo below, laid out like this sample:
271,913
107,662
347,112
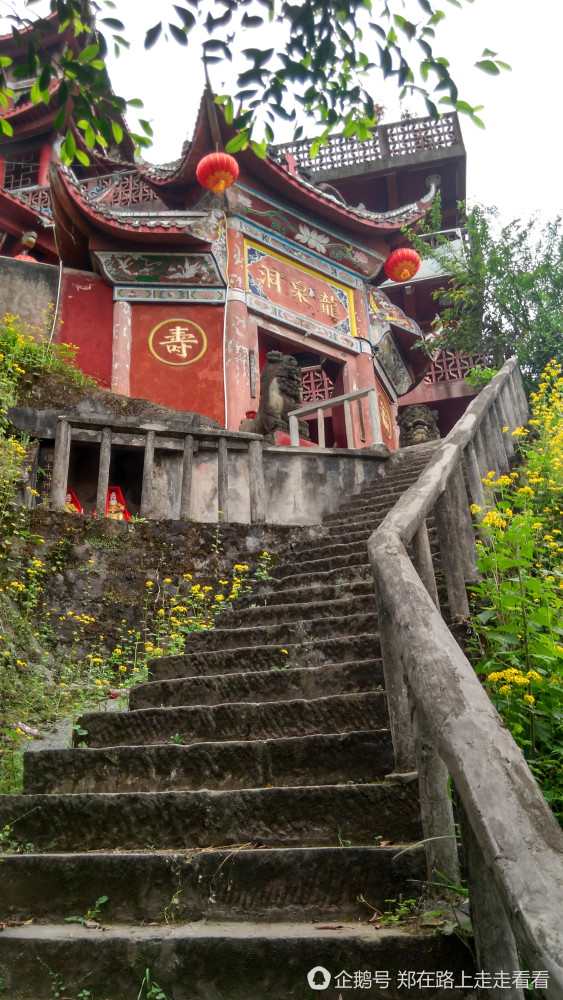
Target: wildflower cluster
518,620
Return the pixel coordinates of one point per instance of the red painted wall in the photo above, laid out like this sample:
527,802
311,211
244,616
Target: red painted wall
177,377
86,310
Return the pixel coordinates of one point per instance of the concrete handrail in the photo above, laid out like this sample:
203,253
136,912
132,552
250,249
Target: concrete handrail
515,847
345,400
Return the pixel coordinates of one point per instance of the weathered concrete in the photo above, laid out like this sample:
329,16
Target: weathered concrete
300,760
279,817
266,685
313,653
238,721
221,961
273,885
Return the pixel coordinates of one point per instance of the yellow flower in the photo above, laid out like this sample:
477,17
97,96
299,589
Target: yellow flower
474,508
285,651
505,689
529,698
149,583
167,580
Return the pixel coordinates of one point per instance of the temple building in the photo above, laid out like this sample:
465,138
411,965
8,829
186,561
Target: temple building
177,295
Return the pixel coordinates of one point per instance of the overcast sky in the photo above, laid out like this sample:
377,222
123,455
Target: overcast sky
515,163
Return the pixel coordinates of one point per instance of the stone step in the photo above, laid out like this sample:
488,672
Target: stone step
314,653
330,546
338,576
356,757
309,626
327,590
224,961
277,612
343,713
276,684
355,561
277,817
299,884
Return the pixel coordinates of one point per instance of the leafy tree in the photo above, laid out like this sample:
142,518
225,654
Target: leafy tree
326,50
504,296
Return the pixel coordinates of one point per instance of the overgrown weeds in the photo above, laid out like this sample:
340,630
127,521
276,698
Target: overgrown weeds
518,619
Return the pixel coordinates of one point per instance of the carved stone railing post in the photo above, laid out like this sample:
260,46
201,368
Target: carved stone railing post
495,460
480,452
293,431
494,940
504,421
499,440
148,471
374,418
256,483
436,809
396,692
61,460
474,475
519,396
452,565
422,561
510,404
320,427
348,424
466,534
187,473
103,471
223,479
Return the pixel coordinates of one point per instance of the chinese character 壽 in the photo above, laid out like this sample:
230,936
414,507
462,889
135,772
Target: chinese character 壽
179,341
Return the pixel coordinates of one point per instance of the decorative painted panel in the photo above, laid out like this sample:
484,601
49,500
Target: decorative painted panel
393,365
312,300
382,312
301,233
159,268
138,293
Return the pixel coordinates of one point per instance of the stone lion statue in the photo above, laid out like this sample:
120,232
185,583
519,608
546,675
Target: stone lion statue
280,392
418,424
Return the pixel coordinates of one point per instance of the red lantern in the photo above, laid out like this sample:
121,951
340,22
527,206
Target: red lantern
217,171
402,264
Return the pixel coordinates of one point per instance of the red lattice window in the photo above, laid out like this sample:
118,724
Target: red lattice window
316,385
22,171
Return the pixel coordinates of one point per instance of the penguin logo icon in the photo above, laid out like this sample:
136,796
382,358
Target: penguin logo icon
319,978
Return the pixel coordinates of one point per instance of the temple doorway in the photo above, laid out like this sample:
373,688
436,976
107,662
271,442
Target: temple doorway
322,378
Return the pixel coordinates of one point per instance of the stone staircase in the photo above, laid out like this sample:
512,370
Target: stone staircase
239,814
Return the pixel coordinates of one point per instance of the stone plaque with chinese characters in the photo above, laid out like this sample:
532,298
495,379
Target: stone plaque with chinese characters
299,291
159,268
177,342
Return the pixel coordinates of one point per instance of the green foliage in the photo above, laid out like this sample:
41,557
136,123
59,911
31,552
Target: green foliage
480,376
323,58
504,295
150,990
518,603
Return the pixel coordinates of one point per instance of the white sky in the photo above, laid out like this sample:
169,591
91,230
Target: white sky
514,164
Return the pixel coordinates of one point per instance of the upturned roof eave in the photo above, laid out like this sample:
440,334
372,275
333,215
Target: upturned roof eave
278,179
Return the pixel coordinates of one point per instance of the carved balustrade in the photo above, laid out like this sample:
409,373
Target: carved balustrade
393,140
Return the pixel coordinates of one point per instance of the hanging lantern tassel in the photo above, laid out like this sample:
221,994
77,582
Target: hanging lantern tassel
217,171
402,264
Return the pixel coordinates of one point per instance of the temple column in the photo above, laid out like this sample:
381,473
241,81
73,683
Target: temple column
121,353
241,360
44,161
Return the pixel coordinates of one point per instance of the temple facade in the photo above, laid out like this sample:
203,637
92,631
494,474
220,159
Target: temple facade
177,295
